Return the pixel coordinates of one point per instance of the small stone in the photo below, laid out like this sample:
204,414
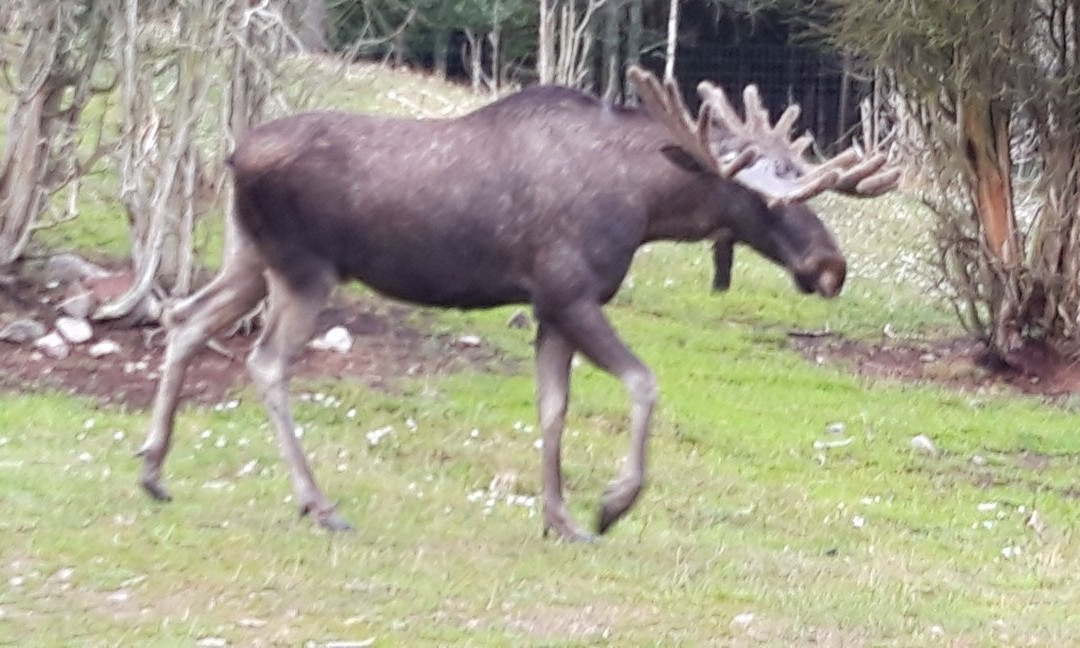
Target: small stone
70,267
79,302
74,330
337,339
978,460
64,575
924,445
375,436
470,340
103,348
22,330
53,345
1036,523
743,620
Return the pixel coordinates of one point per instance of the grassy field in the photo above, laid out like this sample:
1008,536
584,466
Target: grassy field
786,505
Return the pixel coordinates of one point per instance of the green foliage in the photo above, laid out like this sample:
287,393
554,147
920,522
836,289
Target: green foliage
427,26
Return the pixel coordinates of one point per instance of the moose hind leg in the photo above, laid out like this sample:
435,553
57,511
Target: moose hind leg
290,322
553,354
236,290
587,328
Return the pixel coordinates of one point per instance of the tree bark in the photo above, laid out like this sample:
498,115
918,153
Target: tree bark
634,33
986,149
545,37
672,40
51,78
612,80
21,173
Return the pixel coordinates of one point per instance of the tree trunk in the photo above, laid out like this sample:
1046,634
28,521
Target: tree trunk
634,35
672,40
986,149
985,132
309,21
471,55
50,74
441,45
22,172
544,40
611,79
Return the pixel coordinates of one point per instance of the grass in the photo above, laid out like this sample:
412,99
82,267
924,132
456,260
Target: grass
765,521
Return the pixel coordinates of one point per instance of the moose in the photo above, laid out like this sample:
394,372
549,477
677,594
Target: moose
540,198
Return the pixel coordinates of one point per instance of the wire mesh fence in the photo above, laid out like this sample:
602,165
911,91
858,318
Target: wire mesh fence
828,91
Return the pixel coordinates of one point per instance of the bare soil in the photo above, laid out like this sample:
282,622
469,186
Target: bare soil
392,341
959,363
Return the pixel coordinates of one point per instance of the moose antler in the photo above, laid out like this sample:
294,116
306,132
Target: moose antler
693,136
781,172
755,153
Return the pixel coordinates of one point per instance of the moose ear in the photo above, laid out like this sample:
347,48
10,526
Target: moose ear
680,158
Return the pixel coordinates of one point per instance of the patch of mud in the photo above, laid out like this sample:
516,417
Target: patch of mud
391,342
959,363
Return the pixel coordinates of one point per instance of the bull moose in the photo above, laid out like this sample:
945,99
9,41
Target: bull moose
541,197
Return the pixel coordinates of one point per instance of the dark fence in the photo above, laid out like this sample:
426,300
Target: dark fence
827,90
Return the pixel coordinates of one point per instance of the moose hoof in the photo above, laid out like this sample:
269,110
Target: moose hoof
618,497
335,523
326,517
606,519
155,490
568,533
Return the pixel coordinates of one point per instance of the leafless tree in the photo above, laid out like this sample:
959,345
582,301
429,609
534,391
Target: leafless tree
176,133
565,40
50,49
672,39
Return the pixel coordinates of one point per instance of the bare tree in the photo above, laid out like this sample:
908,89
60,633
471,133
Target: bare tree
990,94
309,21
634,37
176,133
672,40
610,40
565,41
50,51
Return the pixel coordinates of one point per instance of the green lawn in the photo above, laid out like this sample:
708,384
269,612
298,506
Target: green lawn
765,522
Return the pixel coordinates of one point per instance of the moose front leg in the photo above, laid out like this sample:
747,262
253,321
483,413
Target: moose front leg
586,327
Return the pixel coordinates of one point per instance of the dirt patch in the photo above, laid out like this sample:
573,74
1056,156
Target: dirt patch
391,342
960,363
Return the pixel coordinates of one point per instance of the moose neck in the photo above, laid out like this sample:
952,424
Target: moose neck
694,206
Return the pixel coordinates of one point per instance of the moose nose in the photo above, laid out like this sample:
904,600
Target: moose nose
830,276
